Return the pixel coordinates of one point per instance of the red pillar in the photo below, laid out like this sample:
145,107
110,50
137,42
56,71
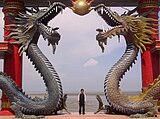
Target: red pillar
12,62
150,58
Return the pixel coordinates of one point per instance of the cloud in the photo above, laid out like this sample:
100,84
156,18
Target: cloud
90,62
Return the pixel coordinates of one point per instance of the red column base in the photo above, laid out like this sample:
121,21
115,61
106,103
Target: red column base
6,112
5,107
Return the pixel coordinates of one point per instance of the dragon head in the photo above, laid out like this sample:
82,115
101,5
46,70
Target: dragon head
81,7
26,27
139,29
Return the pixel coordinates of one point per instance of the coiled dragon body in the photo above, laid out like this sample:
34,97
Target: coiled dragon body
137,32
27,28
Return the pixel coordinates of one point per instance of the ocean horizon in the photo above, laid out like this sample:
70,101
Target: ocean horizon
73,92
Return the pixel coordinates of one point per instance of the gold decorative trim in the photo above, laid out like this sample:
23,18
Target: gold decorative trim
6,104
152,5
14,5
153,13
155,48
148,4
13,0
148,1
10,14
157,41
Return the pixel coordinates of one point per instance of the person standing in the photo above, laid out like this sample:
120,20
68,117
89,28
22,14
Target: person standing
82,101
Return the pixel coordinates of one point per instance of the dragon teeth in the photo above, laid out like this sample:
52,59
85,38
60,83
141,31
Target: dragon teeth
61,11
56,8
106,11
99,9
102,10
109,15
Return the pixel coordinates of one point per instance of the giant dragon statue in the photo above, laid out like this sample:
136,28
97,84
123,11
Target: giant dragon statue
137,32
26,28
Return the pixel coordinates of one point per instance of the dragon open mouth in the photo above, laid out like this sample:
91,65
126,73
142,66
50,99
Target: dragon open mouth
51,12
112,19
27,25
107,15
123,24
48,32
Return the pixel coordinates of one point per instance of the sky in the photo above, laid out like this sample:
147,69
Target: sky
78,58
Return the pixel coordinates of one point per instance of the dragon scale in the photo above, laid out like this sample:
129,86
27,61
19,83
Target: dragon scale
111,85
51,78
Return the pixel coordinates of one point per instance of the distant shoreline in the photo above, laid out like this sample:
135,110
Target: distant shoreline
76,93
88,93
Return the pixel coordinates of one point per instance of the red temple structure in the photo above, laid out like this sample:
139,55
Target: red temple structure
150,58
13,62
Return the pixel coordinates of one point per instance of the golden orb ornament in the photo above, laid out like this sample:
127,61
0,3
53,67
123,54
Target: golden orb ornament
81,7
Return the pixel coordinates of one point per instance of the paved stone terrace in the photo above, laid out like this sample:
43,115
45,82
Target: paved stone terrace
86,116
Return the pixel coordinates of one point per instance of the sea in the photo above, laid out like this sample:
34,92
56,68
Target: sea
72,100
